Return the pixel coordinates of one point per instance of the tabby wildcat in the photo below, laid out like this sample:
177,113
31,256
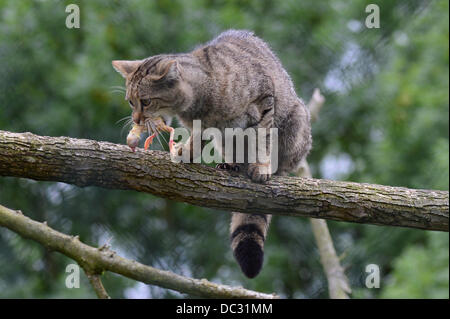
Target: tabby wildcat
233,81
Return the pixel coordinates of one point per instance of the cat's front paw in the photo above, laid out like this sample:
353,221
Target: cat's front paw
180,152
176,149
258,172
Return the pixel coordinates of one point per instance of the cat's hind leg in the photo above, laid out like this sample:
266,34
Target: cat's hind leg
260,171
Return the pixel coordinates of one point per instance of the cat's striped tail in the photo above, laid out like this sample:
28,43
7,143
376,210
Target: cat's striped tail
248,233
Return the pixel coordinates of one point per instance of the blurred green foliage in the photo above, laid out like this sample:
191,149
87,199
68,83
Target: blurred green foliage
385,121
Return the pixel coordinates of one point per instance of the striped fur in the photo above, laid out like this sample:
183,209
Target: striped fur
233,81
247,234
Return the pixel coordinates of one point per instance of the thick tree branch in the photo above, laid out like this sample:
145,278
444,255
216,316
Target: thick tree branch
96,260
86,162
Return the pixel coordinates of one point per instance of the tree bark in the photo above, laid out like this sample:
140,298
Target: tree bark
91,163
96,260
97,285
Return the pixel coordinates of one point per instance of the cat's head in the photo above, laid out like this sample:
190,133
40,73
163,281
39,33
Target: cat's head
154,87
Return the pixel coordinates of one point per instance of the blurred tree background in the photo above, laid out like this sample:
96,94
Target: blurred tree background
385,121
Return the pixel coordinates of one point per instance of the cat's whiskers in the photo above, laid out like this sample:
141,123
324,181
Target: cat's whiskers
163,138
119,88
124,118
156,130
128,124
149,129
159,136
117,91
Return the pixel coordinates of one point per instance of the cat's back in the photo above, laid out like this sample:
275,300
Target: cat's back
246,39
237,47
240,53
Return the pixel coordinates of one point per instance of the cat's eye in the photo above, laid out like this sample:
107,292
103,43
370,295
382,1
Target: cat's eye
145,102
131,103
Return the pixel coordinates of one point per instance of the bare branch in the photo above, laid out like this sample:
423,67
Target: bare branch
96,260
91,163
338,285
96,283
315,104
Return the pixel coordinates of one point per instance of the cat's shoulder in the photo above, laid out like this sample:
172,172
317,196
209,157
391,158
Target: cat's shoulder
242,35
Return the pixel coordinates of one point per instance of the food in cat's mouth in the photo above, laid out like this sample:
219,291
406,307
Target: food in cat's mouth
134,136
153,126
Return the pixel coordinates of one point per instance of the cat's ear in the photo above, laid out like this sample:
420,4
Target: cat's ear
170,71
126,68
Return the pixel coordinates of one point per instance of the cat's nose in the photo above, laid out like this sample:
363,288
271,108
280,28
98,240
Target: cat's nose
137,117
